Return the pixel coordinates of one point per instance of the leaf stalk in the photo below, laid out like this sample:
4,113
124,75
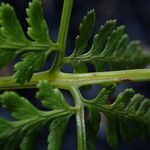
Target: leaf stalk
65,80
80,119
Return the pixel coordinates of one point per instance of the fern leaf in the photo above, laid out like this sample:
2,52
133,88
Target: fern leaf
11,28
85,31
6,144
13,41
8,55
111,48
57,129
11,34
101,37
127,116
19,106
51,98
93,124
111,132
5,128
31,62
81,42
29,139
23,131
38,29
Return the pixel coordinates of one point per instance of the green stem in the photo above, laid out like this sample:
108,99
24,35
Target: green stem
64,24
80,120
65,80
63,33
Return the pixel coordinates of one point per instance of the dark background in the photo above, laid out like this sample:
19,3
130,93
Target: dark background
135,14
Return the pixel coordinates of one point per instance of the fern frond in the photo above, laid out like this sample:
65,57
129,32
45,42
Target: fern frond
29,120
13,41
127,116
111,49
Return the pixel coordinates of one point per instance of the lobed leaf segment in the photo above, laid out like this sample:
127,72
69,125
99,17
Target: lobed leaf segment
23,131
13,42
127,116
111,48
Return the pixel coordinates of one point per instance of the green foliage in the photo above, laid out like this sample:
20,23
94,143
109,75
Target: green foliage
57,129
29,119
81,42
10,26
13,42
111,47
38,29
93,124
51,98
127,117
19,106
29,139
32,62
